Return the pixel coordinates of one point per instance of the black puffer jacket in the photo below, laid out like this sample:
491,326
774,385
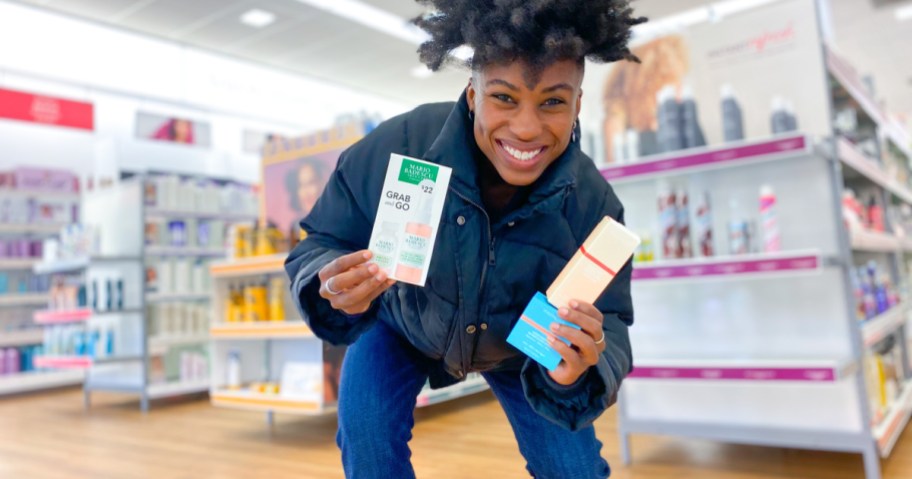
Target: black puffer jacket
482,274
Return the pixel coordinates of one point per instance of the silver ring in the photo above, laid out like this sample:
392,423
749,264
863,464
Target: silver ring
328,286
600,341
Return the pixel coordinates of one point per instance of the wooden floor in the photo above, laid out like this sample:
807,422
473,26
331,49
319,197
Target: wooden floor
50,435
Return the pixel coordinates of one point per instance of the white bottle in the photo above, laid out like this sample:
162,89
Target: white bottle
233,367
385,246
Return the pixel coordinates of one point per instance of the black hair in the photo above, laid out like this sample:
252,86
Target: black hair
538,32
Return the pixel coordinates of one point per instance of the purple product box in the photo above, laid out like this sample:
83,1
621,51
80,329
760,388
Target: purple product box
45,179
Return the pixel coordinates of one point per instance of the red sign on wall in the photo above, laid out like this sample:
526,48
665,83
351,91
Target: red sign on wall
47,110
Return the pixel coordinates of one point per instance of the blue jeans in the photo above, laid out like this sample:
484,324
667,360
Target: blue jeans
382,376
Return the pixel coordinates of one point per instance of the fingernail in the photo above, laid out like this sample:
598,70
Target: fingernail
574,304
563,311
367,255
380,278
551,339
555,327
373,269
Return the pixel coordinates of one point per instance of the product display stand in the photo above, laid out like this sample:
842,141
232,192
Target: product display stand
17,306
282,367
156,338
768,348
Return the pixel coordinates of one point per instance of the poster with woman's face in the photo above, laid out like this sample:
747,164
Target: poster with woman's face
151,126
292,188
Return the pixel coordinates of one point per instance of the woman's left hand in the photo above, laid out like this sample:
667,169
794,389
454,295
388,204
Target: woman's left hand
587,343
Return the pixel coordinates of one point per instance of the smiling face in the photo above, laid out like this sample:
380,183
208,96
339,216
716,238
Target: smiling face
523,128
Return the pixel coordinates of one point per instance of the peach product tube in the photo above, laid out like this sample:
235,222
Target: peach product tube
410,269
594,265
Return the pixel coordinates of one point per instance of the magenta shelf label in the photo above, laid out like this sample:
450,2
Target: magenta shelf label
707,158
726,268
743,374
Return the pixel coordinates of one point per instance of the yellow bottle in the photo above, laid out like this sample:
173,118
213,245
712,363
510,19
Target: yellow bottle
231,306
277,299
249,304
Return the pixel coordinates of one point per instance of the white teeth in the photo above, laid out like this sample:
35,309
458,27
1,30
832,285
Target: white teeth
522,155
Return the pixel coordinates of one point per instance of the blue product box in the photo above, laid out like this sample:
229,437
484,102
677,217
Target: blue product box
530,335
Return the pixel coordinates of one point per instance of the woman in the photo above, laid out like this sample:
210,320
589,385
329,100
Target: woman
521,200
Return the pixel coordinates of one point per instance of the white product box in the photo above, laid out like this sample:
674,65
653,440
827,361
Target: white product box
408,217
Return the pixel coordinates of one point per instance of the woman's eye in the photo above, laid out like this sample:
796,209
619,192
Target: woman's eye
502,97
553,101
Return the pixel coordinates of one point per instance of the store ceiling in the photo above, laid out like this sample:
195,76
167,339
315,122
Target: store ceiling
316,43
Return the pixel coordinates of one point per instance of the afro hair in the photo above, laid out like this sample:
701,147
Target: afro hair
538,32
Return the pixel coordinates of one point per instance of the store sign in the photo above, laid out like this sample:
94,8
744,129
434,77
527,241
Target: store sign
47,110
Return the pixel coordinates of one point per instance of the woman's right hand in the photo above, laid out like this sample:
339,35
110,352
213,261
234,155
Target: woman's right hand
350,284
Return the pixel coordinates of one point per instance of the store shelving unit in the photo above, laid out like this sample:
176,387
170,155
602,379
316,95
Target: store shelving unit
278,342
29,381
123,250
719,339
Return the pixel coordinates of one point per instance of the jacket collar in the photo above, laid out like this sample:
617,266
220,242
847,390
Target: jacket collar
453,148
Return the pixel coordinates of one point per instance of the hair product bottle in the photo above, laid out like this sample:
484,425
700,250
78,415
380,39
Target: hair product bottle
704,226
684,244
668,221
769,222
779,120
669,120
692,132
732,116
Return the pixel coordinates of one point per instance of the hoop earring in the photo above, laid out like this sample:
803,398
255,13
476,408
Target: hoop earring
472,115
573,134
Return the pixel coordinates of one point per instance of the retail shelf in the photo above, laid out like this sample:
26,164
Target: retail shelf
63,362
472,386
44,195
876,329
37,380
852,157
80,362
726,156
54,317
876,241
261,330
159,345
77,264
22,337
848,78
743,370
184,251
163,390
759,265
256,265
112,383
31,229
7,264
249,401
176,297
162,214
24,299
888,431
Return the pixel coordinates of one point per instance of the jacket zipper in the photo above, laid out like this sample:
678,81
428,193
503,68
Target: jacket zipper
490,237
467,361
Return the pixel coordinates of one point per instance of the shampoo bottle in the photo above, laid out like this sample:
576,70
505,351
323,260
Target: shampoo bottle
769,222
692,132
705,226
684,244
732,117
